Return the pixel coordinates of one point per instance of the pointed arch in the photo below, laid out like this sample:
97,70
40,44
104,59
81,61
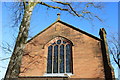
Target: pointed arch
59,58
58,38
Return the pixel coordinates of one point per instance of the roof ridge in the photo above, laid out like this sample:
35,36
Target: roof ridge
42,31
65,24
80,30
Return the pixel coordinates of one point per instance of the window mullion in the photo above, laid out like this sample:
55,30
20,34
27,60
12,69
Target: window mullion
58,58
52,58
65,58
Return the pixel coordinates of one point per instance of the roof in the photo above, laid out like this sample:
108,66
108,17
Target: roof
77,29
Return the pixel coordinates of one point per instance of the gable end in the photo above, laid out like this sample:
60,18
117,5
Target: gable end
68,26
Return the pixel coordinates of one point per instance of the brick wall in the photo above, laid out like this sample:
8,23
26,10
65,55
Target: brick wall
86,53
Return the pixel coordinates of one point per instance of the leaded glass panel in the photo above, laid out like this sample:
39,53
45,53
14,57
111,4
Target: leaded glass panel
49,62
68,58
62,59
55,65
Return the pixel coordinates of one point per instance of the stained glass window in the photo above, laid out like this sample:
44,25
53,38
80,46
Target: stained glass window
49,62
59,57
62,59
68,58
55,65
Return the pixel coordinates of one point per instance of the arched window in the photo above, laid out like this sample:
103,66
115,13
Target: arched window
59,58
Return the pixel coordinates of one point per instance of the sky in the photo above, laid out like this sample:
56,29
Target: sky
42,18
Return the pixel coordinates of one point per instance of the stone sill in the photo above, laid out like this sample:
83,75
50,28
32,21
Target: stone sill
57,74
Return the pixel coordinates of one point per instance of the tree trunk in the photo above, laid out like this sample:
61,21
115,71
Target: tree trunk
15,60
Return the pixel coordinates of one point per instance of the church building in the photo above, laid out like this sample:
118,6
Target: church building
62,51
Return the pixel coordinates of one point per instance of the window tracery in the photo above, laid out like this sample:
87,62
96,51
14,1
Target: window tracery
59,56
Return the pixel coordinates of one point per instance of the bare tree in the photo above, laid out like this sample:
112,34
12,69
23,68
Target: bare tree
24,11
114,48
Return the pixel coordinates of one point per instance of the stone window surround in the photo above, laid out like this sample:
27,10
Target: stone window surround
48,44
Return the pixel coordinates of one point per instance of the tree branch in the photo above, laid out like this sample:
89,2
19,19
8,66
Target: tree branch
117,62
4,59
60,2
68,4
54,7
